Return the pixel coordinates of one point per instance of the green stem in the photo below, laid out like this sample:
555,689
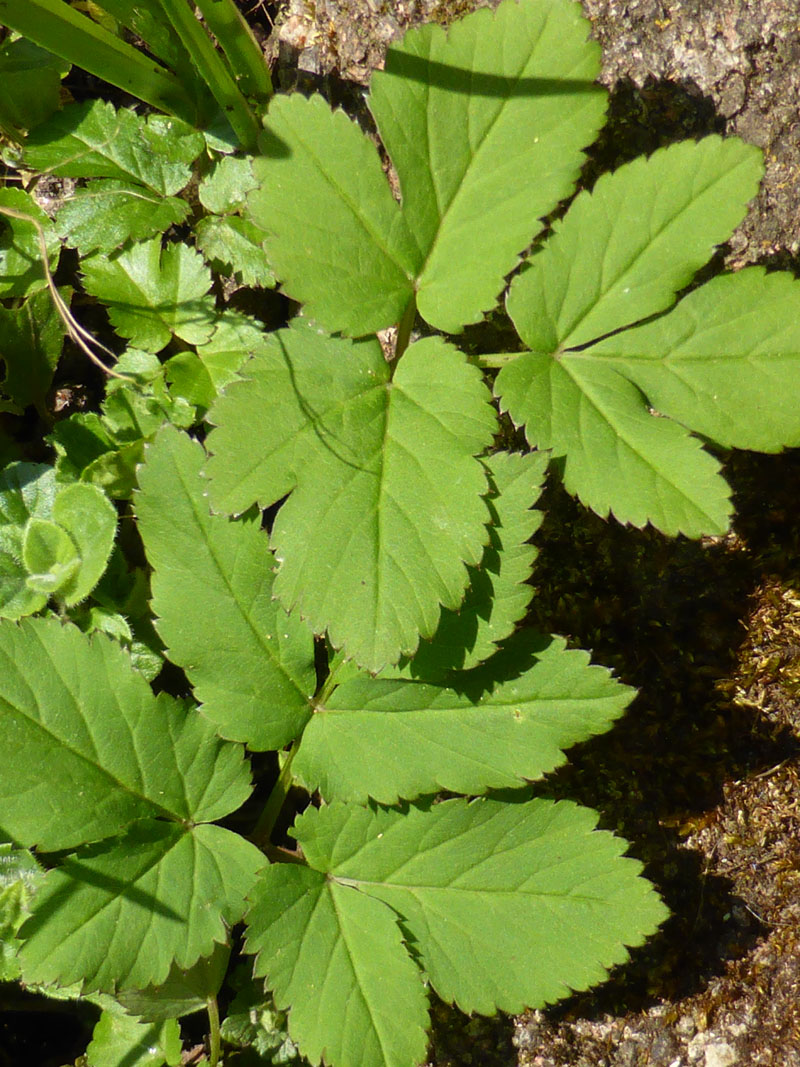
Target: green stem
236,40
213,1034
405,327
214,71
498,360
277,798
54,25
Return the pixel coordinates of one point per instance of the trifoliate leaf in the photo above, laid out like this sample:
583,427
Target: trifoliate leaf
118,914
119,1038
497,597
466,116
233,245
725,362
21,267
508,905
386,507
251,665
88,748
104,214
337,960
505,724
152,294
31,338
93,139
624,250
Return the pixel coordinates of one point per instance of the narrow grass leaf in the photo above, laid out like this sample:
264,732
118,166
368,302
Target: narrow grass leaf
335,958
251,665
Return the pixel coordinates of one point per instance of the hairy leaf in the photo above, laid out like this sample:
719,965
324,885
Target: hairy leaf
496,728
250,664
152,294
336,959
386,504
504,101
119,913
95,140
88,749
507,905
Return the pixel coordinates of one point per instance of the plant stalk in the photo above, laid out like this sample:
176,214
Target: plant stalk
405,327
277,798
213,1031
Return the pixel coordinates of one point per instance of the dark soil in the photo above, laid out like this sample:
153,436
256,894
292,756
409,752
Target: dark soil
703,774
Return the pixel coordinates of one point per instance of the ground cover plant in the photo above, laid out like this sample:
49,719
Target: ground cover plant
329,535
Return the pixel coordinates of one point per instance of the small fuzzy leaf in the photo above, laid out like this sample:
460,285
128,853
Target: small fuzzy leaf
21,267
152,294
251,665
225,189
618,456
50,556
506,724
624,250
497,597
90,519
507,905
120,913
485,124
386,508
20,876
336,959
88,748
725,362
95,140
106,213
235,246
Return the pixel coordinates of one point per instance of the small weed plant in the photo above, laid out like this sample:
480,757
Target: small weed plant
369,632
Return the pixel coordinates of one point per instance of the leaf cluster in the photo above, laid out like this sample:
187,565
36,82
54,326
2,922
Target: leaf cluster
318,534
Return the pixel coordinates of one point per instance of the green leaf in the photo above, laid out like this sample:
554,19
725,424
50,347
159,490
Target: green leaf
90,519
225,189
31,338
507,905
21,267
88,748
497,597
152,294
624,250
336,959
466,117
184,990
30,83
27,490
93,139
118,914
497,728
50,556
20,875
386,508
725,362
235,246
106,213
251,665
121,1039
485,124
